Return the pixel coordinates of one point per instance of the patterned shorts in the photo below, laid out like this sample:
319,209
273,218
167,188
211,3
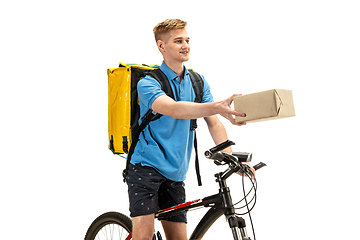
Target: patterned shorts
149,192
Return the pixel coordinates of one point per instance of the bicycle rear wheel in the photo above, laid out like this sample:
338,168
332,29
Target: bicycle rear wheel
110,225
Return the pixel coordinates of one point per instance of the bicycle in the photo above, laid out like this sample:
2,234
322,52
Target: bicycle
109,224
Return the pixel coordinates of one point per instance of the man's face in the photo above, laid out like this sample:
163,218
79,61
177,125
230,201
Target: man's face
177,46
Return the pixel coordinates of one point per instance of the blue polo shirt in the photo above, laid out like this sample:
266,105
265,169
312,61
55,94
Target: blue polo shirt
166,143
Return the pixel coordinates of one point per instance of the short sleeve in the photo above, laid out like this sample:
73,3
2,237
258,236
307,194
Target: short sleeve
207,96
148,90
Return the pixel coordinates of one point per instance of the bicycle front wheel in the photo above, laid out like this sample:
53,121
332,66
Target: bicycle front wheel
110,225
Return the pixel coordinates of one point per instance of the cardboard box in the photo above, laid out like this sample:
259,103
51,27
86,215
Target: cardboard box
263,106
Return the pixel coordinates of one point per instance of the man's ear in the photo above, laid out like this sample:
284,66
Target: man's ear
160,45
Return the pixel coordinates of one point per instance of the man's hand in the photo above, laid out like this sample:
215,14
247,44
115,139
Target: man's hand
226,111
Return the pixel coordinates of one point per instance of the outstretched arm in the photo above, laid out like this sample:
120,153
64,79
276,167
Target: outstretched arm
190,110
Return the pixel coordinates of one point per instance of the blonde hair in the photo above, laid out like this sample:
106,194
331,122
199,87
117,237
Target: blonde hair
164,27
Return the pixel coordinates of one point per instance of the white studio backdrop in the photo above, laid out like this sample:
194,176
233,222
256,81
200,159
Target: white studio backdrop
57,174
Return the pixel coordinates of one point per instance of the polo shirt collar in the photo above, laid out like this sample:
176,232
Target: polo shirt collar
170,73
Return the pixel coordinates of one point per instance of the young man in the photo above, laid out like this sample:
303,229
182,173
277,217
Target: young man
161,157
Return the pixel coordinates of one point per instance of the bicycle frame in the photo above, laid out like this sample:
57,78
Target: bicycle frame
221,204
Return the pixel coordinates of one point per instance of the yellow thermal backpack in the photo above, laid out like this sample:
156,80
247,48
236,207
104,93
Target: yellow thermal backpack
124,110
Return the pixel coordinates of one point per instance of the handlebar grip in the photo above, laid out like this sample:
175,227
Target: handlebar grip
218,148
259,165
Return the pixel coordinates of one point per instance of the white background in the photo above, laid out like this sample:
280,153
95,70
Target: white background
57,174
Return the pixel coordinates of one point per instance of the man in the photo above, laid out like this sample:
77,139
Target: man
161,158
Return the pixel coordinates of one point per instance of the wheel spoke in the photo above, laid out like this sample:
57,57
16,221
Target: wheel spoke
111,232
109,226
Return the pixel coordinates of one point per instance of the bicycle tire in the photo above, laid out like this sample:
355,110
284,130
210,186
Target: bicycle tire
110,225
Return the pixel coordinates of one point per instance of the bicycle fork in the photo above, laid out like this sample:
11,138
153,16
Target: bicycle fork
237,224
238,228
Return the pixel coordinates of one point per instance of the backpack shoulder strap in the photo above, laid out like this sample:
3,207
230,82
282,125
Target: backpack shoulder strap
198,85
159,76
